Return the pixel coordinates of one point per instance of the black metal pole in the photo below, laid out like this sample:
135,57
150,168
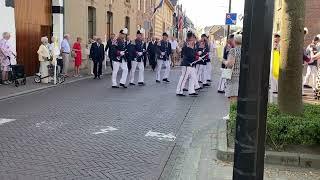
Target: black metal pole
253,90
229,11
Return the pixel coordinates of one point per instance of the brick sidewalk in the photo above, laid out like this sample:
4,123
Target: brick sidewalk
9,91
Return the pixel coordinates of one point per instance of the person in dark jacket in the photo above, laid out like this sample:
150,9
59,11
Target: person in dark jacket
112,49
138,60
97,54
187,67
152,48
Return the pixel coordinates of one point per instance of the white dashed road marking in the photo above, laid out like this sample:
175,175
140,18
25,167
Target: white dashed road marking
3,120
105,130
161,136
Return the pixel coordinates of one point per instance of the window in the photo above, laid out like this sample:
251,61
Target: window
91,22
109,23
127,23
139,5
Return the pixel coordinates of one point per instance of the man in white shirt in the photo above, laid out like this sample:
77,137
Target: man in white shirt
174,47
65,51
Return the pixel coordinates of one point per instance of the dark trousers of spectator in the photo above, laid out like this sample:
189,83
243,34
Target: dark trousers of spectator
60,63
97,68
152,61
111,62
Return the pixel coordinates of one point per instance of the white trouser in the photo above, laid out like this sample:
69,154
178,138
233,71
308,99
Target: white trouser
186,73
274,84
222,84
208,71
200,72
90,66
116,67
166,72
134,65
194,78
311,71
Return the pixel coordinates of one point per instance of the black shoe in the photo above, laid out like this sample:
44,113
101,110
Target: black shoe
115,87
99,77
307,86
221,92
166,80
95,77
200,82
275,92
193,94
124,86
141,83
181,95
158,81
198,88
206,85
209,81
185,89
132,84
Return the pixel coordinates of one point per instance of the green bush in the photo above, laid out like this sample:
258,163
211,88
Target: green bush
284,129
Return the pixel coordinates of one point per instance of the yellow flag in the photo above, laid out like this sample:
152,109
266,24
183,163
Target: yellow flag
276,64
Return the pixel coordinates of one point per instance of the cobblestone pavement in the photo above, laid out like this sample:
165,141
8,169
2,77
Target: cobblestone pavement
86,130
62,132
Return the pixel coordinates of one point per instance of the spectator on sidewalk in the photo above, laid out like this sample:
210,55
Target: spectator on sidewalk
110,49
312,68
78,56
174,54
229,45
152,49
97,54
65,51
44,59
6,54
233,62
54,51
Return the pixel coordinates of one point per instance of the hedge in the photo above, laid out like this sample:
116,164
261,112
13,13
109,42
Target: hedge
284,129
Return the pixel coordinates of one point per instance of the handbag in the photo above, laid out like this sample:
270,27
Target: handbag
226,73
73,54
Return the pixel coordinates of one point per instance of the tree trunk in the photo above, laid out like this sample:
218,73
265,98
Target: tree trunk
291,49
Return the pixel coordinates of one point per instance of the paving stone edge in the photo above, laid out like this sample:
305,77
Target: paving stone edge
224,153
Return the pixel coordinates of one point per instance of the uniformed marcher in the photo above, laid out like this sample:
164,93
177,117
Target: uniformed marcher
138,60
187,67
202,50
164,51
120,61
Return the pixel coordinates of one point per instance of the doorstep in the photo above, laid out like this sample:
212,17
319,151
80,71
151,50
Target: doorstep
224,153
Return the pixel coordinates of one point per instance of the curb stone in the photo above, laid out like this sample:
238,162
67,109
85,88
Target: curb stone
224,153
45,87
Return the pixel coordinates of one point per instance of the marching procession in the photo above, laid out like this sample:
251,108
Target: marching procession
129,54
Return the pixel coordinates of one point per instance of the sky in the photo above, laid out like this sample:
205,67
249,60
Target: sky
210,12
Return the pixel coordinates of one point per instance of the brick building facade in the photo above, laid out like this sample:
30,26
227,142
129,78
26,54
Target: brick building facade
312,18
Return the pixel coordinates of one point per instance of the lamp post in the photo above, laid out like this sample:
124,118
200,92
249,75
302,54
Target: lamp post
253,90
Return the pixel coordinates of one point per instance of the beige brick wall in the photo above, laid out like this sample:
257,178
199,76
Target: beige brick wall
76,16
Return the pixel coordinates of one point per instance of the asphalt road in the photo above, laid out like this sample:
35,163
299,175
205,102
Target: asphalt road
86,130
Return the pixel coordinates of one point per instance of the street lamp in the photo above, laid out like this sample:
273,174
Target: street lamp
253,90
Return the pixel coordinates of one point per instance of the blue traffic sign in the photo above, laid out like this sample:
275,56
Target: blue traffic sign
231,18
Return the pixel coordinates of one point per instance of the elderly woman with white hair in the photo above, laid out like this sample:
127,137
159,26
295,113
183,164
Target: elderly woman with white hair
233,62
44,59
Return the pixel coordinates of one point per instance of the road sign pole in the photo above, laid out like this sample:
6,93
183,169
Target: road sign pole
253,90
229,11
